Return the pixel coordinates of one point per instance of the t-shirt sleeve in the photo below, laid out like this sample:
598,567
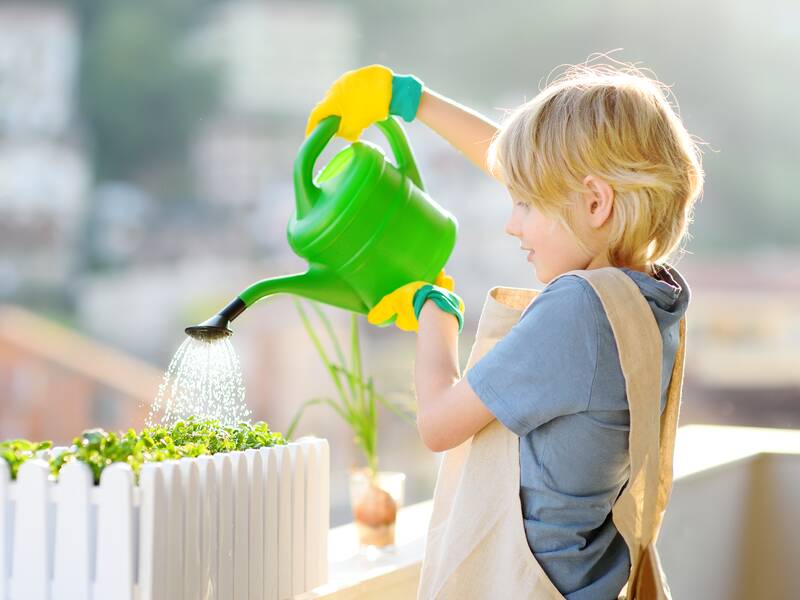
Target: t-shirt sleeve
544,367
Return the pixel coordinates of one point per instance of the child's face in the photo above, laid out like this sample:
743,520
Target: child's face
552,249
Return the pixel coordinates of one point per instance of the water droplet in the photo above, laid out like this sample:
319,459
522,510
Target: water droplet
204,379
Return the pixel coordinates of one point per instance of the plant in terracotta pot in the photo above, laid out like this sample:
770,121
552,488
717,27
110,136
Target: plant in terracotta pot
375,495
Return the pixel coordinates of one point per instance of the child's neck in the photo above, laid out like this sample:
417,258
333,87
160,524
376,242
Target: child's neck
601,260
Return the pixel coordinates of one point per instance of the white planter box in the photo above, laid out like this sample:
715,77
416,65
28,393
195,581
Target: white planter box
238,525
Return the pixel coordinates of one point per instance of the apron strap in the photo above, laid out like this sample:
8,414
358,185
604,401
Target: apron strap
639,510
669,420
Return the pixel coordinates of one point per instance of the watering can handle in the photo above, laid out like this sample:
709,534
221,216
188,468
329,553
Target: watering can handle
306,192
402,151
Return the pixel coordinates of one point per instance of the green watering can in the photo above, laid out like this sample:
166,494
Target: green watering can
365,227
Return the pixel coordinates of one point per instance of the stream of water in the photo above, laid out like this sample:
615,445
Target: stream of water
204,379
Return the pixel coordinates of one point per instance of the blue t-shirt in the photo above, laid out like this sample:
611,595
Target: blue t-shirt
555,380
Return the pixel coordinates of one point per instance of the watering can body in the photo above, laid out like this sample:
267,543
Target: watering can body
368,222
365,226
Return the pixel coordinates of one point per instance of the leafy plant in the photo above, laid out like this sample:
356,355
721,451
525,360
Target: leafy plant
356,397
17,452
99,449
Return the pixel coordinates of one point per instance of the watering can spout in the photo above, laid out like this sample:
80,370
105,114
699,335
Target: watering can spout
318,283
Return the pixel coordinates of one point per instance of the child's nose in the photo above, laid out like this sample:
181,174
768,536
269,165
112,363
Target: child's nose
511,228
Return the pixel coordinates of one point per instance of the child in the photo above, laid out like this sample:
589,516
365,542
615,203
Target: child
601,173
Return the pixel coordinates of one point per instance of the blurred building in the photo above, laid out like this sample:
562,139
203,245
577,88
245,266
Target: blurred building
39,47
54,382
266,52
44,175
118,227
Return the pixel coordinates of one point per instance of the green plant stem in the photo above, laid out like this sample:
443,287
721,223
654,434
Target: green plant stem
328,365
357,401
336,346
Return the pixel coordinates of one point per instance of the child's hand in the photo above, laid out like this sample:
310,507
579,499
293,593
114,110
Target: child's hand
402,306
365,96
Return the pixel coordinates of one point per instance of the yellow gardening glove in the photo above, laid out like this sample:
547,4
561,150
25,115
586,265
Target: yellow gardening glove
360,97
444,280
398,306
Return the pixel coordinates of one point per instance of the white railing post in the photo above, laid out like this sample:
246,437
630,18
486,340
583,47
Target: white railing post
298,517
270,458
325,508
115,577
209,531
174,528
225,526
30,570
284,511
6,526
191,528
73,548
152,536
312,516
255,541
240,525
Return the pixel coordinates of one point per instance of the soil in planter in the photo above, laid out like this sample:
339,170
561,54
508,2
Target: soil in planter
375,513
204,380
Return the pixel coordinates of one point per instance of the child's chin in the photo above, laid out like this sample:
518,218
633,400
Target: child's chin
546,275
543,276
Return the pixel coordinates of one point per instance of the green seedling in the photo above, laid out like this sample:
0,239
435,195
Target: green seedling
98,448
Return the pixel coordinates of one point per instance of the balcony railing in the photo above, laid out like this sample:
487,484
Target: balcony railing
731,532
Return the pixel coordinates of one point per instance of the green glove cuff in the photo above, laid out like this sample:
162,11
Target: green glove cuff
406,94
445,299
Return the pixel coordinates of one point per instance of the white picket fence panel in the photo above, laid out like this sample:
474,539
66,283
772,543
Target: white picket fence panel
247,525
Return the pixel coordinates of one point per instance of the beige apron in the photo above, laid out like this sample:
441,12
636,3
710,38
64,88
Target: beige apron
476,546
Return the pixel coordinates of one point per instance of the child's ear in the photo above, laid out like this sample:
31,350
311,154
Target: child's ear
598,200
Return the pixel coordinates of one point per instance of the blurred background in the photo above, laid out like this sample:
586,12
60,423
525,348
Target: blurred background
146,152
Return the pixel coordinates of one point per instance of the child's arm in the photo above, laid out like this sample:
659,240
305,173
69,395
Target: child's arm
448,410
466,130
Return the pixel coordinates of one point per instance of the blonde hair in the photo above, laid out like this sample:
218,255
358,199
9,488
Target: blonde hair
616,123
